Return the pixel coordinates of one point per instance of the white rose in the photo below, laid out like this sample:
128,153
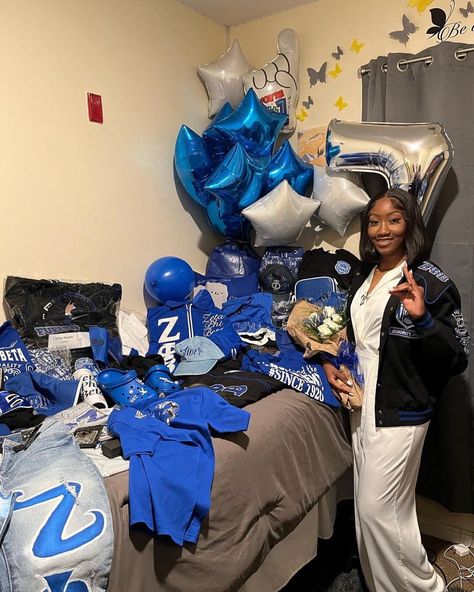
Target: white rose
332,325
337,318
324,330
329,311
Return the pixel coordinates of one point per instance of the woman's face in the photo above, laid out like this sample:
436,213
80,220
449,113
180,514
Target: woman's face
387,228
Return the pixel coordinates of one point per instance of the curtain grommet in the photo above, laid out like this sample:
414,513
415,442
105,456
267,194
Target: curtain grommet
384,68
428,62
460,55
402,66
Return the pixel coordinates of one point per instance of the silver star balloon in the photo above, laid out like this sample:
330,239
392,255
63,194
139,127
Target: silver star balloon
340,195
224,78
280,216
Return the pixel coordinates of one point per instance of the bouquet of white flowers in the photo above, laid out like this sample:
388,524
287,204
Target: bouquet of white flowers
320,327
324,322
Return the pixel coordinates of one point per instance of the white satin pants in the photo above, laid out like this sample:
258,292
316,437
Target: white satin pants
386,464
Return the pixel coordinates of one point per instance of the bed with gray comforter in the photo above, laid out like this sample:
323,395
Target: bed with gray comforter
274,493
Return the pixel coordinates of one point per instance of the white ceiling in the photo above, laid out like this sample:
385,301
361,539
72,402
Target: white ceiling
235,12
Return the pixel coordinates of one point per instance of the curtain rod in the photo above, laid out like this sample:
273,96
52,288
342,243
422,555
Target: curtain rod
403,65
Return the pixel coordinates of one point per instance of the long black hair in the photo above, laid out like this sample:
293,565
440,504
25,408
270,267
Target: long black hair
417,243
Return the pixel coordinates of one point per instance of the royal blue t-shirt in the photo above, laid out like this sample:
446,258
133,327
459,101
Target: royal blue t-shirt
199,411
46,394
173,458
162,495
250,313
293,370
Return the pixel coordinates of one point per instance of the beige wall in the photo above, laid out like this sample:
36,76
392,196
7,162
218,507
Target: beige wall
98,202
322,26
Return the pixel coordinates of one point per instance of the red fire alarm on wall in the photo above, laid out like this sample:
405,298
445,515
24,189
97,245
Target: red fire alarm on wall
94,103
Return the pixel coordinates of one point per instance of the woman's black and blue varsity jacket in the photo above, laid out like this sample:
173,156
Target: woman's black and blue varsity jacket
417,358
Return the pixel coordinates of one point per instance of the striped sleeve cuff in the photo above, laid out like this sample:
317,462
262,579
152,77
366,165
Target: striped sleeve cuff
424,322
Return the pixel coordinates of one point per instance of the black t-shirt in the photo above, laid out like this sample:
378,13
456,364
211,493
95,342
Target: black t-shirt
237,387
340,265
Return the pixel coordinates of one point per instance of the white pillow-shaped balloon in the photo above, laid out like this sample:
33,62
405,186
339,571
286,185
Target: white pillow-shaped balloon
340,195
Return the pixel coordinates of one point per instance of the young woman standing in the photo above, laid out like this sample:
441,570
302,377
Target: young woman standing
406,324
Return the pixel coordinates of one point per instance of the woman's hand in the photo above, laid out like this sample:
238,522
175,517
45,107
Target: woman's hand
411,295
339,384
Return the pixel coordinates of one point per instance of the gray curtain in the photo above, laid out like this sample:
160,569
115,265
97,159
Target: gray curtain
442,92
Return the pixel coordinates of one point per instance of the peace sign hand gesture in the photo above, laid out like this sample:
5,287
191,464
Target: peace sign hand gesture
411,295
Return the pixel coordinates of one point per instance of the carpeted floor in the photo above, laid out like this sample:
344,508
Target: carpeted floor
336,567
456,571
347,582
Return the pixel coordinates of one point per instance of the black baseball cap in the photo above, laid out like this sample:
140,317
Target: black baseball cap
278,280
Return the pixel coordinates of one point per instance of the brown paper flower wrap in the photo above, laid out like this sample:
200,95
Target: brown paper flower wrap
309,336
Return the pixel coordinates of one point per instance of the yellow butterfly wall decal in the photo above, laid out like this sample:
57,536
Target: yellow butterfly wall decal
420,5
340,104
356,45
337,70
302,115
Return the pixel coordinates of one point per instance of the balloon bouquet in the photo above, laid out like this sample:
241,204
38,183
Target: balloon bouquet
234,172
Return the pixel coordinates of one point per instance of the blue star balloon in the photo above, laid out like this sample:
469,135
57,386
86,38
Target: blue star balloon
193,164
286,164
238,180
253,125
217,144
226,222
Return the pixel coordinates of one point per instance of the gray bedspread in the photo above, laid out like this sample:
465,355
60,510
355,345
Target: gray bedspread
267,480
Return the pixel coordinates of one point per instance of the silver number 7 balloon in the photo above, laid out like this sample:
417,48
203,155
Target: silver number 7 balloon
412,156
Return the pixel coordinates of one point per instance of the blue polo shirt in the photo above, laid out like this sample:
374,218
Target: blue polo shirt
162,495
172,458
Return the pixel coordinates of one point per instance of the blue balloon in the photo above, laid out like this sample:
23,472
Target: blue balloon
238,180
193,164
217,144
287,165
253,125
225,221
169,278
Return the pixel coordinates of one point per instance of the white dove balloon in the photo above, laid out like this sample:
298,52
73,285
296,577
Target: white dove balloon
277,83
340,196
224,78
280,216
